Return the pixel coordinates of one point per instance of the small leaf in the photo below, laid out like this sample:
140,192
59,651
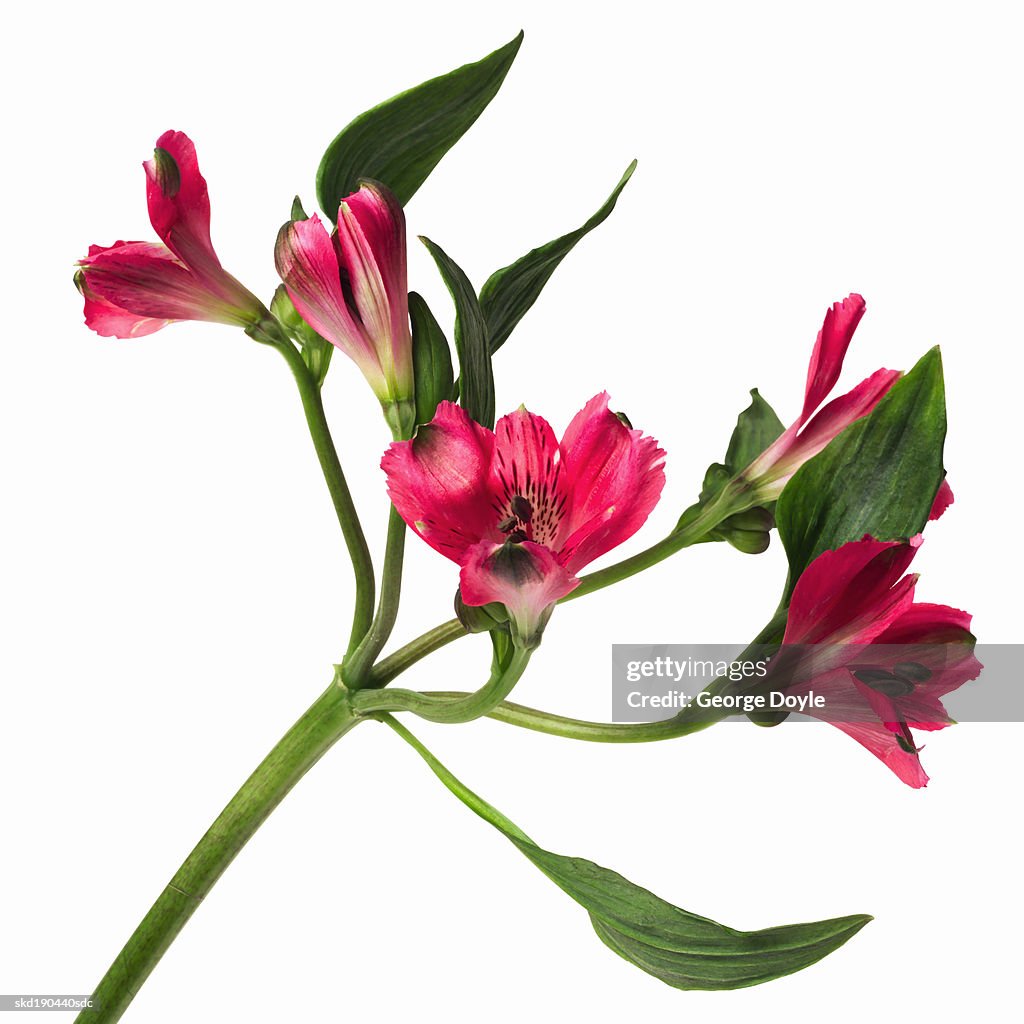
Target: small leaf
316,351
878,477
298,213
476,377
750,531
756,428
403,139
431,360
510,292
677,947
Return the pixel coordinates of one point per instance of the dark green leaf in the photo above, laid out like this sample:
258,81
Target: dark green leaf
402,140
298,213
511,291
677,947
316,351
476,378
431,360
878,477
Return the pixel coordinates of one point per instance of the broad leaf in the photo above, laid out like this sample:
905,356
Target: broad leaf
431,360
511,291
476,378
878,477
402,140
677,947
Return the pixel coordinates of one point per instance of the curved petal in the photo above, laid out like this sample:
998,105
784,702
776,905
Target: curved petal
839,414
440,482
849,709
852,594
527,476
615,475
308,266
372,243
829,351
372,247
145,279
526,578
179,203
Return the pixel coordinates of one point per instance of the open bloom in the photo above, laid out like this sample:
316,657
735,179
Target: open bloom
882,662
135,288
351,286
520,512
810,433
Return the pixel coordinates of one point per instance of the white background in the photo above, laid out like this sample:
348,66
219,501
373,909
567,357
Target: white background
174,591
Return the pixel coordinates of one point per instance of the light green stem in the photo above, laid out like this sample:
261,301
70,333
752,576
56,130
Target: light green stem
344,507
356,668
433,640
464,708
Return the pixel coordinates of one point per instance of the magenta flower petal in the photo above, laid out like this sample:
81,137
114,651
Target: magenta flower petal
617,477
829,351
526,578
147,281
943,499
440,482
179,202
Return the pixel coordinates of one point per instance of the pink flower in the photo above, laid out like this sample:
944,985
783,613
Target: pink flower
135,288
881,662
771,470
351,287
520,512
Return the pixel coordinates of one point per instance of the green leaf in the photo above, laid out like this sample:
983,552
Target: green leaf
878,477
748,531
431,360
677,947
756,428
316,351
510,292
402,140
476,377
298,213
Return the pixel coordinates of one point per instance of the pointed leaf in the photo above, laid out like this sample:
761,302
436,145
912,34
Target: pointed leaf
677,947
510,292
756,428
476,378
402,140
298,213
431,360
878,477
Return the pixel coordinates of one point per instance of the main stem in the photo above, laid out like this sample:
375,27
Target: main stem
326,721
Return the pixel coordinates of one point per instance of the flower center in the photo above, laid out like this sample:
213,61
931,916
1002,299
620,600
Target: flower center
530,511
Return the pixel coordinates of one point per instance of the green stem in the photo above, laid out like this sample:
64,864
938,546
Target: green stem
326,721
348,518
729,501
687,721
464,708
433,640
357,666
